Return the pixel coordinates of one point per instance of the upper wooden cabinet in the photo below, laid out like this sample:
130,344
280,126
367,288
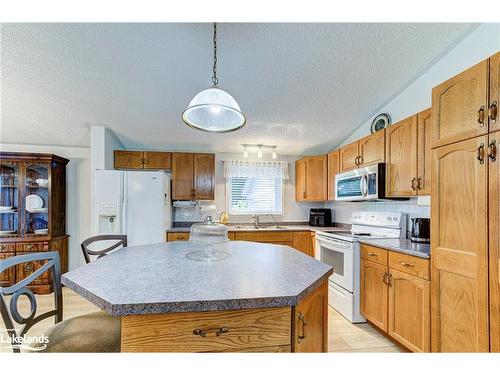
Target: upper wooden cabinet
311,176
349,156
460,106
401,158
459,240
366,151
494,240
155,160
193,176
494,100
333,169
424,129
372,149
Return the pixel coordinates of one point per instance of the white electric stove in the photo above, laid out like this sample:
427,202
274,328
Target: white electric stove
340,249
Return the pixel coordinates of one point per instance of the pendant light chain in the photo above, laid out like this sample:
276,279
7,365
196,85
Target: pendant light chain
215,80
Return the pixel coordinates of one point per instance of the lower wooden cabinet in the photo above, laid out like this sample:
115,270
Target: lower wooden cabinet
394,298
310,324
374,293
8,277
299,240
409,311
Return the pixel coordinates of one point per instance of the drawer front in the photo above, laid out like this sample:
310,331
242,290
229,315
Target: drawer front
7,248
262,236
212,331
177,236
23,270
32,247
374,254
409,264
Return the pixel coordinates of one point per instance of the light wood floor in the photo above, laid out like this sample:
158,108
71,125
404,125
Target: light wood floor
342,335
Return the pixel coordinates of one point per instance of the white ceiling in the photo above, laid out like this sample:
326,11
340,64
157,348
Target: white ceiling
303,87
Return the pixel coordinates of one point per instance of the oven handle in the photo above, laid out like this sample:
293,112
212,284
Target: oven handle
341,244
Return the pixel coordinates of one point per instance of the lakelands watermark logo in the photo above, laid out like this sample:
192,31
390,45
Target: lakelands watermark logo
25,342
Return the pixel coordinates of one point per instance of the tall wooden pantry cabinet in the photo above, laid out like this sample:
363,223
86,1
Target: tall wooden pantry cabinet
465,297
32,213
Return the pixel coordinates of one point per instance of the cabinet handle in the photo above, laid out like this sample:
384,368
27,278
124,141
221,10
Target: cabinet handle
492,150
217,331
384,278
304,195
2,247
413,183
360,159
407,264
389,278
480,153
480,116
492,112
419,183
28,247
304,323
28,268
180,238
372,254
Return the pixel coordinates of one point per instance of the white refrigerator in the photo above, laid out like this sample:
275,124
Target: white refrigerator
134,203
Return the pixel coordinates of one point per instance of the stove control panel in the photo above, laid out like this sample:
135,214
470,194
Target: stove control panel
378,218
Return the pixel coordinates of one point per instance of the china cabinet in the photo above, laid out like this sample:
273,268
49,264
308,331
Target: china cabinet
32,212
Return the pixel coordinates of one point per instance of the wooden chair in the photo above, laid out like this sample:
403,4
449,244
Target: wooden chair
122,241
94,332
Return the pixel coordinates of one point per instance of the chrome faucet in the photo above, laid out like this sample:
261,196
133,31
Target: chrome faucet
255,219
275,222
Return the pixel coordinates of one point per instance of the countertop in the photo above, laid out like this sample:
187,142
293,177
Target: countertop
160,279
401,245
265,228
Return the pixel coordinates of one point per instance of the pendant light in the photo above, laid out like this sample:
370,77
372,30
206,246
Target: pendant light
213,109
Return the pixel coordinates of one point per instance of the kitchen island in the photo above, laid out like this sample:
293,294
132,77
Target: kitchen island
262,297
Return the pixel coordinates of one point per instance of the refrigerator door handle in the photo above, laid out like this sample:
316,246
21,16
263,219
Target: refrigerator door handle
124,204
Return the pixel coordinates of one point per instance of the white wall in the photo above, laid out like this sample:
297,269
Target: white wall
77,192
293,211
477,46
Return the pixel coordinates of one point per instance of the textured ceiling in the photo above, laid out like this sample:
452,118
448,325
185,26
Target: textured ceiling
303,87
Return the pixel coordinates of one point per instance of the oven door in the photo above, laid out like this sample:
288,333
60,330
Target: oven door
340,255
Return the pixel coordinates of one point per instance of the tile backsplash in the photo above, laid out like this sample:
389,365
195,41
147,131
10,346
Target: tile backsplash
342,211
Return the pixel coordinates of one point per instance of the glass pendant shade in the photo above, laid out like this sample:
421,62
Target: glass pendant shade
214,110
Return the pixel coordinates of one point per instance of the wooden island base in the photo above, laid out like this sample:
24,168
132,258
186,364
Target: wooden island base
301,328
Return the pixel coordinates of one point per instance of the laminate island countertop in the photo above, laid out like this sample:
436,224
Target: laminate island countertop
260,298
401,245
161,279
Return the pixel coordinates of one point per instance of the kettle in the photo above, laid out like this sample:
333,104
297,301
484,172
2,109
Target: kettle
420,230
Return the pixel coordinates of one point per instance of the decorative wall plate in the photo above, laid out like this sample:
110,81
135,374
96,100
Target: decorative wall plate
380,122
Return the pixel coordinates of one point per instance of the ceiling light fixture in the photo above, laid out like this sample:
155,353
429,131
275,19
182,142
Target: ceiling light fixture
260,149
259,153
213,109
245,153
275,154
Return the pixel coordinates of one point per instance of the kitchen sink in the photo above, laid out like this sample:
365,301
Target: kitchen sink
253,227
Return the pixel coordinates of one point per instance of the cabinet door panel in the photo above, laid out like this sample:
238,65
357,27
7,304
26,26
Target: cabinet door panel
333,169
128,159
182,176
348,155
459,249
409,311
401,155
493,109
7,277
300,180
372,149
374,293
302,242
316,178
157,160
494,246
456,106
310,326
204,176
424,128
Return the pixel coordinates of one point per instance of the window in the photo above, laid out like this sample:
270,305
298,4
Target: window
255,188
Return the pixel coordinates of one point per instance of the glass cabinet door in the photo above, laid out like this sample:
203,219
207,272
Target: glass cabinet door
36,199
9,199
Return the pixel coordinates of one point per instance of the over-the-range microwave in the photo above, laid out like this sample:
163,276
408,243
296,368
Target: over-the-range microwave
361,184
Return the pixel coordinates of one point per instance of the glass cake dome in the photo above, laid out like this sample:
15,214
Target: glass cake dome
207,236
